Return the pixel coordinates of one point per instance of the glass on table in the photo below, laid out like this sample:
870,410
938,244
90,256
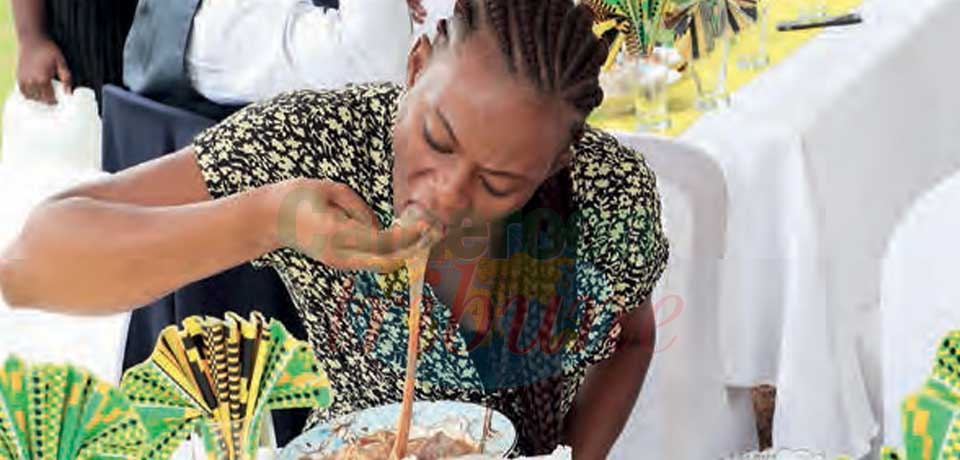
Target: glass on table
636,87
648,87
752,41
245,439
709,70
615,82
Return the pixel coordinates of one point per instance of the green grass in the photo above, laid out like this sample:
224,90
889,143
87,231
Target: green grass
8,51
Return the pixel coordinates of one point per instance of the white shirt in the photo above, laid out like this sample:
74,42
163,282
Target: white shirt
243,51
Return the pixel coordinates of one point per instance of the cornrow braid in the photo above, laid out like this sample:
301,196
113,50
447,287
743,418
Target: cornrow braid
549,42
465,12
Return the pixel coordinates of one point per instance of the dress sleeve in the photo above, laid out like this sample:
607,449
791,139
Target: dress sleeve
624,239
262,144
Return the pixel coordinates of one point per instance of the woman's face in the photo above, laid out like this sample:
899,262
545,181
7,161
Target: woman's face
473,141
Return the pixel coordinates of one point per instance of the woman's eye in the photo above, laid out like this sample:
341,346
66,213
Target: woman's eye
434,142
493,190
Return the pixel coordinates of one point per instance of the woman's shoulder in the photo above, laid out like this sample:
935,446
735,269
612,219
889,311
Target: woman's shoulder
371,99
341,135
619,206
344,123
604,169
375,103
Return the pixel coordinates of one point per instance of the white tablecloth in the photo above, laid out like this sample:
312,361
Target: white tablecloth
822,154
685,395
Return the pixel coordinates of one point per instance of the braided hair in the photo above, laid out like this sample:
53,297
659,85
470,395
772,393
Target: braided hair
549,42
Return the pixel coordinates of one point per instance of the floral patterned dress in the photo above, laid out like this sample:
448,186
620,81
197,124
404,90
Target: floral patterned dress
533,359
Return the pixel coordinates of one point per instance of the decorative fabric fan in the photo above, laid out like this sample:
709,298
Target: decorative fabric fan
931,417
62,413
630,23
697,23
224,372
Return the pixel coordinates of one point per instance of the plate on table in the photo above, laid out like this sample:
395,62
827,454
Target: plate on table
453,417
780,454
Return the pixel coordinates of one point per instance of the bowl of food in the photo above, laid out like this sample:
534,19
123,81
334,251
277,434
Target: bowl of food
439,430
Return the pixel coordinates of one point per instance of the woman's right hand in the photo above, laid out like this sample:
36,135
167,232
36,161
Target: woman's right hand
39,62
329,222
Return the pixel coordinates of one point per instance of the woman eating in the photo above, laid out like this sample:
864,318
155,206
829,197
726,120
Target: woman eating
538,296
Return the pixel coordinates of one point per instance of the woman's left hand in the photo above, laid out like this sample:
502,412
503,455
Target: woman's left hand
417,11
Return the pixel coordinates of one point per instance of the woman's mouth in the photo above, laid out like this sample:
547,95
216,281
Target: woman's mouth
419,212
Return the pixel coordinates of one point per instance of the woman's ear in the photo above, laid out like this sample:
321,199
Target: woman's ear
417,60
443,33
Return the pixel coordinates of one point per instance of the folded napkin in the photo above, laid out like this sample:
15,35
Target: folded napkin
219,377
64,413
931,416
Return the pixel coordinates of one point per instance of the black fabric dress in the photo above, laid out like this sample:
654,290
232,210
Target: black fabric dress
91,34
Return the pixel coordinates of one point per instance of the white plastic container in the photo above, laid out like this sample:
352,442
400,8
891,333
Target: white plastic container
65,136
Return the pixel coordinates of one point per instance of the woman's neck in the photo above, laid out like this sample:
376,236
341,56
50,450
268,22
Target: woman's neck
453,265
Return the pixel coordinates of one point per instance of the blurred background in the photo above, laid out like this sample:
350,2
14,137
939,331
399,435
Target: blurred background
8,50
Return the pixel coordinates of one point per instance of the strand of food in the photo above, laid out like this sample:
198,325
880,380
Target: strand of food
416,268
416,273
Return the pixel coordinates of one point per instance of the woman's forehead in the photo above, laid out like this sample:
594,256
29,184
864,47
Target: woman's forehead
502,130
496,113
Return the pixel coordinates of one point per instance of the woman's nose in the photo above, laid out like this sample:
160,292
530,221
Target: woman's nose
451,194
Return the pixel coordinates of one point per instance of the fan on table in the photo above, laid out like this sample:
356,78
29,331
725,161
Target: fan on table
697,23
55,412
629,24
226,373
931,417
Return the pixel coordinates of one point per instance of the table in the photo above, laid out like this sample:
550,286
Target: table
822,154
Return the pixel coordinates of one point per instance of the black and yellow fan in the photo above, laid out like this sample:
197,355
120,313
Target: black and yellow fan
229,372
697,23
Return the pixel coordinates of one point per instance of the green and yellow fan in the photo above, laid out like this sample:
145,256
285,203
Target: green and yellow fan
931,416
223,373
632,24
55,412
697,23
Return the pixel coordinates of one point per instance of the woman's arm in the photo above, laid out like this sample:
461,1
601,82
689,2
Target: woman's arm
608,394
123,241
